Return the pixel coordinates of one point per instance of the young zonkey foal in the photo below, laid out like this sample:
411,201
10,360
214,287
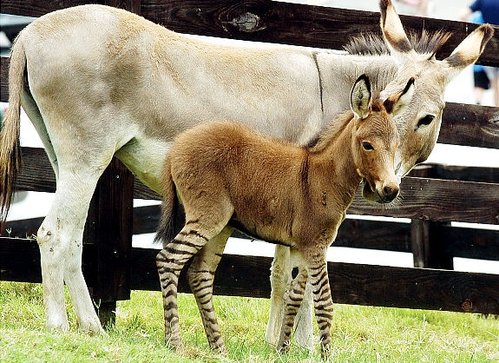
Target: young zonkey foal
227,176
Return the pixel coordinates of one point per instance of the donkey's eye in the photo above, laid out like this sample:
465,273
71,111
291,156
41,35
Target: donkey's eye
426,120
367,146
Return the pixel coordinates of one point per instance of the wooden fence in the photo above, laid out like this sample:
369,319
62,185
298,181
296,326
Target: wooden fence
434,195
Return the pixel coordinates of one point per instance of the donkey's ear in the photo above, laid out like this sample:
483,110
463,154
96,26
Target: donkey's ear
396,103
469,50
360,97
393,31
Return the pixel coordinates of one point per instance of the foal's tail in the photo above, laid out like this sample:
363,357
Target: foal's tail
172,215
10,147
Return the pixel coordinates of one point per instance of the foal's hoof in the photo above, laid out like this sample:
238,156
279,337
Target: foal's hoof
325,353
284,347
173,343
221,350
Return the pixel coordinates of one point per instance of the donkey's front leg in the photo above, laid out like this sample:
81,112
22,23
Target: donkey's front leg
294,298
280,279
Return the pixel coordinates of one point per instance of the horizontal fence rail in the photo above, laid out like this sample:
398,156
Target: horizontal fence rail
474,243
351,283
433,196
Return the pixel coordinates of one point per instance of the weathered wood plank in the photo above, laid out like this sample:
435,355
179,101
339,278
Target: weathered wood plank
390,236
439,200
36,172
268,21
431,199
455,172
20,261
314,26
351,283
469,243
470,125
39,8
4,79
355,233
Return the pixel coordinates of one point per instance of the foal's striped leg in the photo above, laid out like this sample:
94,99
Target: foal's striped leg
200,275
170,261
294,298
323,303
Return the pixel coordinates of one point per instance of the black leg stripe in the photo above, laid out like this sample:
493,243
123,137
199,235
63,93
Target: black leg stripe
322,286
195,233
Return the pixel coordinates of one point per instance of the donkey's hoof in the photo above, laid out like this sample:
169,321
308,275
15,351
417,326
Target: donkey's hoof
91,327
58,324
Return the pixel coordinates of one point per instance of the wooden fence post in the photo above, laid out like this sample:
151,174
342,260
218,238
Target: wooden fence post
428,246
109,229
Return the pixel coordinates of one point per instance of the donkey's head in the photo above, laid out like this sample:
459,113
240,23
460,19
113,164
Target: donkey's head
419,124
375,139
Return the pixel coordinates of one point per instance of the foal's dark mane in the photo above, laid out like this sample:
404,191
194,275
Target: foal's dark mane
330,132
374,44
335,127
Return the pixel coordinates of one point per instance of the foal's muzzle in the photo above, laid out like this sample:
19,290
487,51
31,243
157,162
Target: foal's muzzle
382,193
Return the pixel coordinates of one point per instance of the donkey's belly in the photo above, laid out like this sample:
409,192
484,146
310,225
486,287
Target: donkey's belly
145,157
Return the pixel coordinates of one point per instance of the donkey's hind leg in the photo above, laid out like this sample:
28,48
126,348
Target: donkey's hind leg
200,275
60,242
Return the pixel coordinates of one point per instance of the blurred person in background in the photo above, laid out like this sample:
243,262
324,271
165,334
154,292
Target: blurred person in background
489,10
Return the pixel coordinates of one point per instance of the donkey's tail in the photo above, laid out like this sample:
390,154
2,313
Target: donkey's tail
172,214
10,147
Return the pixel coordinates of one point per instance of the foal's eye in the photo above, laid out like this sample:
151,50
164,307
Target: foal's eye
426,120
367,146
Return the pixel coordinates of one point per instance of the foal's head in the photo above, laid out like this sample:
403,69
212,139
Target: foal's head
375,138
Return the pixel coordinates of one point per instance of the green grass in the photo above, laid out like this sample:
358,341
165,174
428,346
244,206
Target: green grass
360,334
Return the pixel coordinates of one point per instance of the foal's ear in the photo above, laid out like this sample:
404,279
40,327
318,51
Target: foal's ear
397,103
469,50
360,97
393,31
